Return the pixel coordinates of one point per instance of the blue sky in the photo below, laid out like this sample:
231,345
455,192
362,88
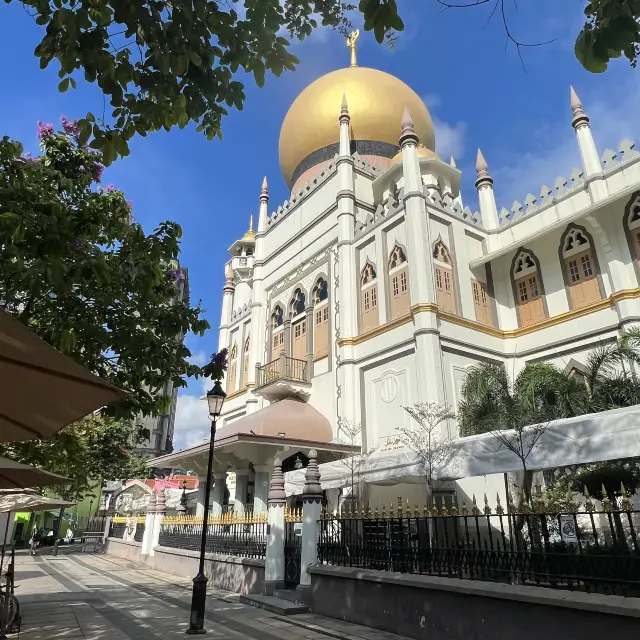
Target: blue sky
478,94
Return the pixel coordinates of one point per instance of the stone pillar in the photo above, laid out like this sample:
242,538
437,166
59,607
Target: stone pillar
311,512
274,562
202,481
261,495
217,493
486,196
227,308
288,347
149,523
158,517
310,318
242,485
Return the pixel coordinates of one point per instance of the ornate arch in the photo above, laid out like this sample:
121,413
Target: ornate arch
368,274
528,287
397,256
298,302
441,252
320,292
631,224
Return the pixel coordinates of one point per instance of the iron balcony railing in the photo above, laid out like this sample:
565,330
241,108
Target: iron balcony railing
283,368
588,550
242,534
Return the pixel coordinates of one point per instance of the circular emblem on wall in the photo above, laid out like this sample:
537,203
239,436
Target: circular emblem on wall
389,386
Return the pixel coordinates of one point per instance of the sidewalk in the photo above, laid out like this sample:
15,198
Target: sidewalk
98,597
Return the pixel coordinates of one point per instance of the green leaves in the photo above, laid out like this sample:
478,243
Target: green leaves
79,273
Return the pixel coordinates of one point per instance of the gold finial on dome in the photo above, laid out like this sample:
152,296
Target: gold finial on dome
351,43
251,234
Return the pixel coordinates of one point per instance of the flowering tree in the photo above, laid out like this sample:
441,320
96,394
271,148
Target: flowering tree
427,442
83,275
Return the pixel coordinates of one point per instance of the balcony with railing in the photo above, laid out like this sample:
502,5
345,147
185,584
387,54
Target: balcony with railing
284,377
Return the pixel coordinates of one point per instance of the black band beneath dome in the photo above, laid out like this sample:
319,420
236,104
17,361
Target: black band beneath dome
363,147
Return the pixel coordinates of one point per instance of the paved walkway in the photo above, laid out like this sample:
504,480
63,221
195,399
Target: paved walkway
98,597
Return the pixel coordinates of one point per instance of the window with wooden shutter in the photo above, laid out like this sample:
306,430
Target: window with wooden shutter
528,290
245,364
300,339
481,302
277,332
580,270
232,369
399,283
443,271
368,298
321,332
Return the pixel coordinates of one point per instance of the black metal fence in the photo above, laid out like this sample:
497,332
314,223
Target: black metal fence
139,532
129,527
590,550
234,534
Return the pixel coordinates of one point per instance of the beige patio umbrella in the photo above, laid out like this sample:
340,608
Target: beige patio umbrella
42,390
30,502
14,475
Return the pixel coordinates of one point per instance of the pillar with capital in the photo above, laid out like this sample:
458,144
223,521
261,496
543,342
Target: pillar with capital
274,561
261,493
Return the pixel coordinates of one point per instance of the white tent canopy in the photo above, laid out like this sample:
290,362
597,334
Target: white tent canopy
609,435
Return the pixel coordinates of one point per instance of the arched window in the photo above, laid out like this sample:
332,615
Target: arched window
245,364
399,283
632,223
369,298
277,332
579,266
528,289
299,326
233,365
445,289
321,319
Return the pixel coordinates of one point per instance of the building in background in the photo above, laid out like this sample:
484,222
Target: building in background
161,427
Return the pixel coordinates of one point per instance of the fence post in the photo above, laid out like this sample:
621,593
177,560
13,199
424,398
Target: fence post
311,513
149,523
158,516
274,561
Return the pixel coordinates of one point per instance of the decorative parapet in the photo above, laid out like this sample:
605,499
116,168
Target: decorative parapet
365,166
241,312
386,209
303,193
610,160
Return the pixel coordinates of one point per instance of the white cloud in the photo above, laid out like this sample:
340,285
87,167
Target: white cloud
192,417
198,358
450,137
614,116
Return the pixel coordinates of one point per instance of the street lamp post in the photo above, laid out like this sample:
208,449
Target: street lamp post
215,399
182,507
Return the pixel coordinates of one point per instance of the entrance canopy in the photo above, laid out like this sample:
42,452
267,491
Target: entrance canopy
42,389
609,435
281,429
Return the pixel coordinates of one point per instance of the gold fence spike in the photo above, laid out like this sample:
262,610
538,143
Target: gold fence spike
444,511
625,503
474,507
454,506
416,511
499,509
465,509
487,508
606,503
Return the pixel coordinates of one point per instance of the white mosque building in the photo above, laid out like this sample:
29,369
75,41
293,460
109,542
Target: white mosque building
373,287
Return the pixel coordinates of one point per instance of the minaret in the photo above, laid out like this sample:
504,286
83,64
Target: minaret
421,273
347,296
588,152
258,306
486,196
227,307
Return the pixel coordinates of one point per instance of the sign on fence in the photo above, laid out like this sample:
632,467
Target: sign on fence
568,529
297,528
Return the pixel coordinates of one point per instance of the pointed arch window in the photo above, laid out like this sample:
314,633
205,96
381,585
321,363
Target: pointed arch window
481,302
579,266
245,363
443,271
299,326
233,365
277,332
528,289
369,316
399,283
320,319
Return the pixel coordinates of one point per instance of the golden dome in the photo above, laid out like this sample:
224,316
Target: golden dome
376,101
250,235
423,152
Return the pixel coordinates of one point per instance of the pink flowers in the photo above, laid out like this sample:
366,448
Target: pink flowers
70,127
44,130
109,188
96,172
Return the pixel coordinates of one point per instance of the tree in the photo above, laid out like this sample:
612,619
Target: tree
427,442
611,29
82,274
88,452
356,462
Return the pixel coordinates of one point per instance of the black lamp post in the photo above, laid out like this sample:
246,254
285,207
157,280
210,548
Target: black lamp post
215,399
182,508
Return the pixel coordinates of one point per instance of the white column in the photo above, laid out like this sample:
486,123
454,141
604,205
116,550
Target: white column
227,309
486,196
274,561
202,480
261,494
347,298
149,524
242,485
217,493
588,151
258,305
161,510
311,512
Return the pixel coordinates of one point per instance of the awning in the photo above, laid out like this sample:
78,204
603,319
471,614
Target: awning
609,435
42,389
30,502
14,475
